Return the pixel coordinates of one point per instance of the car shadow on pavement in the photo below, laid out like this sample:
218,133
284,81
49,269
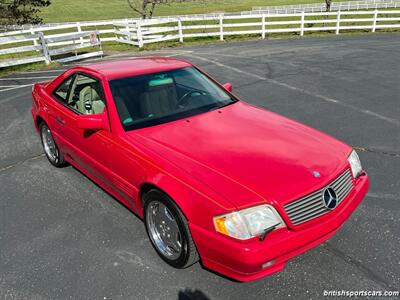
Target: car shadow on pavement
188,294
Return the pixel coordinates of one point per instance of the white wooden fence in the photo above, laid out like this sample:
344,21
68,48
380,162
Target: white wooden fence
321,7
143,32
53,40
16,47
58,47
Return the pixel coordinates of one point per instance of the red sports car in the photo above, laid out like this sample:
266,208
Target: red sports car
214,178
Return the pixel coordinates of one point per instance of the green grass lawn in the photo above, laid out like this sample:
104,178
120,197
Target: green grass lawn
79,10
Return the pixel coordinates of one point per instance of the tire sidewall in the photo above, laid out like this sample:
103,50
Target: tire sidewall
155,195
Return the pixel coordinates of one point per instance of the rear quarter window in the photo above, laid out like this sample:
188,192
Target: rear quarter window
61,93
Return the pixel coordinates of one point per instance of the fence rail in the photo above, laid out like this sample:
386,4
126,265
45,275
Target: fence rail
49,42
166,29
48,48
321,7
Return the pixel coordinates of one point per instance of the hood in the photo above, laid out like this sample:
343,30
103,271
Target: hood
248,155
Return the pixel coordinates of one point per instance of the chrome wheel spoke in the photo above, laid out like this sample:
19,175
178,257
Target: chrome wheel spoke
164,230
174,242
173,230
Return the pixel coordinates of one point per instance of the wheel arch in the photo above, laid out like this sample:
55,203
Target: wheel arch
148,186
39,120
144,189
196,205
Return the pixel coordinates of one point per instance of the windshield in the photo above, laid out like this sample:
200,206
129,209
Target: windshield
157,98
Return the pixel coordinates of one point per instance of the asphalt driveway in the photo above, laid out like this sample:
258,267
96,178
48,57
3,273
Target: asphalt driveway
62,237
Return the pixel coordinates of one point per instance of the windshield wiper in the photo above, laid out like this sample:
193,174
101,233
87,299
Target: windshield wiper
229,103
266,231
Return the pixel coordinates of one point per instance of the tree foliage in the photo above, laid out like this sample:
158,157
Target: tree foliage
17,12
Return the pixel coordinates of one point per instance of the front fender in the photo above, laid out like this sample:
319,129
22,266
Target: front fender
197,205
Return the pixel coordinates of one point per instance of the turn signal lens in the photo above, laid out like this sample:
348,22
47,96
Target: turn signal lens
220,225
232,225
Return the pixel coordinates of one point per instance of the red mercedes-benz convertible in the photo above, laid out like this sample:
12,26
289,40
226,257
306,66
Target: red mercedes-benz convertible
214,178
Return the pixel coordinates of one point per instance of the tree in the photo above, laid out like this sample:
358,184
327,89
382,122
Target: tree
145,8
18,12
328,5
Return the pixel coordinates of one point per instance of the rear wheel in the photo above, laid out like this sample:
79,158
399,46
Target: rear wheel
50,147
168,230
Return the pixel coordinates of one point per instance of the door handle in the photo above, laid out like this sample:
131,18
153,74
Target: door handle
59,120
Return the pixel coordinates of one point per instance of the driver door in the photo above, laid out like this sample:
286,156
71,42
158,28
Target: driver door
88,148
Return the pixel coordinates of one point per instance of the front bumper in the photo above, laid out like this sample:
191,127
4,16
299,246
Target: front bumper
243,261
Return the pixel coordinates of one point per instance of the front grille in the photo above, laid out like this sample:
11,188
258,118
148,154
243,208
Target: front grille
312,205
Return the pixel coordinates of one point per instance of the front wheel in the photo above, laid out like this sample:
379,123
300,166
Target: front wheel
50,147
168,230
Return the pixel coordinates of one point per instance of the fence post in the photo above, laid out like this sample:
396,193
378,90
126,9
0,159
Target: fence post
180,30
35,43
338,22
221,27
302,23
45,48
374,21
263,26
78,25
127,24
139,33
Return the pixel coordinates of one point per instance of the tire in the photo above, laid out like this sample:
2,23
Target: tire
158,207
50,147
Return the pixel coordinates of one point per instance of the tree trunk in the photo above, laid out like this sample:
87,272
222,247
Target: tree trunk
144,9
153,5
328,5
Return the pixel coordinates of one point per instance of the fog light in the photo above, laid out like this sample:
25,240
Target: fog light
268,264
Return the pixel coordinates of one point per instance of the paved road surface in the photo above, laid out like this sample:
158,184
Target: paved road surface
62,237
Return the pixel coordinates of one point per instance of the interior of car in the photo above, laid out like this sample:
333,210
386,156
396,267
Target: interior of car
158,95
87,95
145,98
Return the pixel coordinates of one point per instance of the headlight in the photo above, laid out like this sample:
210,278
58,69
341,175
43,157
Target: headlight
355,164
247,223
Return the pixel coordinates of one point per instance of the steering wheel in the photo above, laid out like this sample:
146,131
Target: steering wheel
190,93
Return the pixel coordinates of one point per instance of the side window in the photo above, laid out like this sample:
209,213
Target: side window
61,93
87,95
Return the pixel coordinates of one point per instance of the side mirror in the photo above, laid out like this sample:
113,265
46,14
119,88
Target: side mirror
228,86
93,122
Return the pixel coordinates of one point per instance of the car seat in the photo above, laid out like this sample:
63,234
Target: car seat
158,100
89,101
